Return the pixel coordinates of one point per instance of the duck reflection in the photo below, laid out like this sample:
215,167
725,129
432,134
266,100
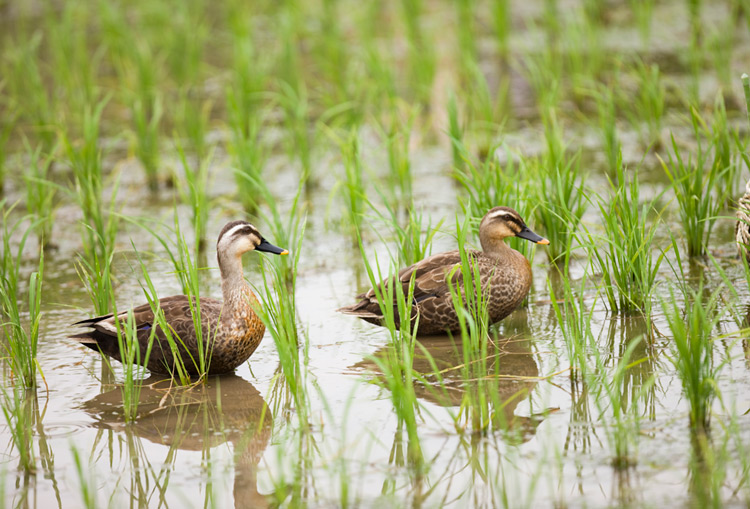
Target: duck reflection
509,372
226,409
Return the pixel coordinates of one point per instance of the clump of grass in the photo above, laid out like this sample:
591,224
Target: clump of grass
692,325
397,140
397,366
296,107
470,300
650,99
6,128
574,318
100,222
147,114
643,11
193,115
250,154
697,184
131,357
40,193
21,333
456,132
421,58
624,257
561,193
488,184
353,184
605,104
501,24
194,191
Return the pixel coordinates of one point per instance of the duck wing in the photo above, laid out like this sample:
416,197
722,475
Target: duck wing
177,314
429,283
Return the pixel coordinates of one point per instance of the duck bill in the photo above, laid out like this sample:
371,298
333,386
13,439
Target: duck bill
533,237
267,247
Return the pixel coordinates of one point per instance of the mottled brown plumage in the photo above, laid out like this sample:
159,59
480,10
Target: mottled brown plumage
231,329
504,272
742,228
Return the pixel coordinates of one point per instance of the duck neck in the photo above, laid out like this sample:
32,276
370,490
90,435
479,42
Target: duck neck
234,288
493,245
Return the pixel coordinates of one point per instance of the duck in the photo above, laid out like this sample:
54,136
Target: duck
231,328
503,270
742,227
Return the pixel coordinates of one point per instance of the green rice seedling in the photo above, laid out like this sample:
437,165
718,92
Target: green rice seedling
501,23
422,61
721,46
193,115
295,104
194,189
574,318
697,184
132,358
414,238
489,185
722,137
6,128
467,46
397,141
332,54
249,153
482,405
26,84
147,115
692,324
695,50
21,332
100,222
352,185
584,53
622,426
86,480
455,132
40,193
650,100
544,72
397,366
179,371
18,410
552,22
605,105
561,193
278,310
69,54
623,255
186,40
189,274
643,13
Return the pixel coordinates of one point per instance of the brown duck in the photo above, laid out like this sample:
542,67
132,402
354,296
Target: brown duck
231,329
504,271
742,227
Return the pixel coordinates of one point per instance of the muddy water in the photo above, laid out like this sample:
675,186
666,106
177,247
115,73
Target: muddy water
233,442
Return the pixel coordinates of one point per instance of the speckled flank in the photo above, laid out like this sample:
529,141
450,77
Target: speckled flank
230,329
504,272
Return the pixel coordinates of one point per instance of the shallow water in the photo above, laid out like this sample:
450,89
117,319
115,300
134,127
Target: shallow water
236,440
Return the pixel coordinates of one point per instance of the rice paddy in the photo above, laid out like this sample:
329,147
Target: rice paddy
364,136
